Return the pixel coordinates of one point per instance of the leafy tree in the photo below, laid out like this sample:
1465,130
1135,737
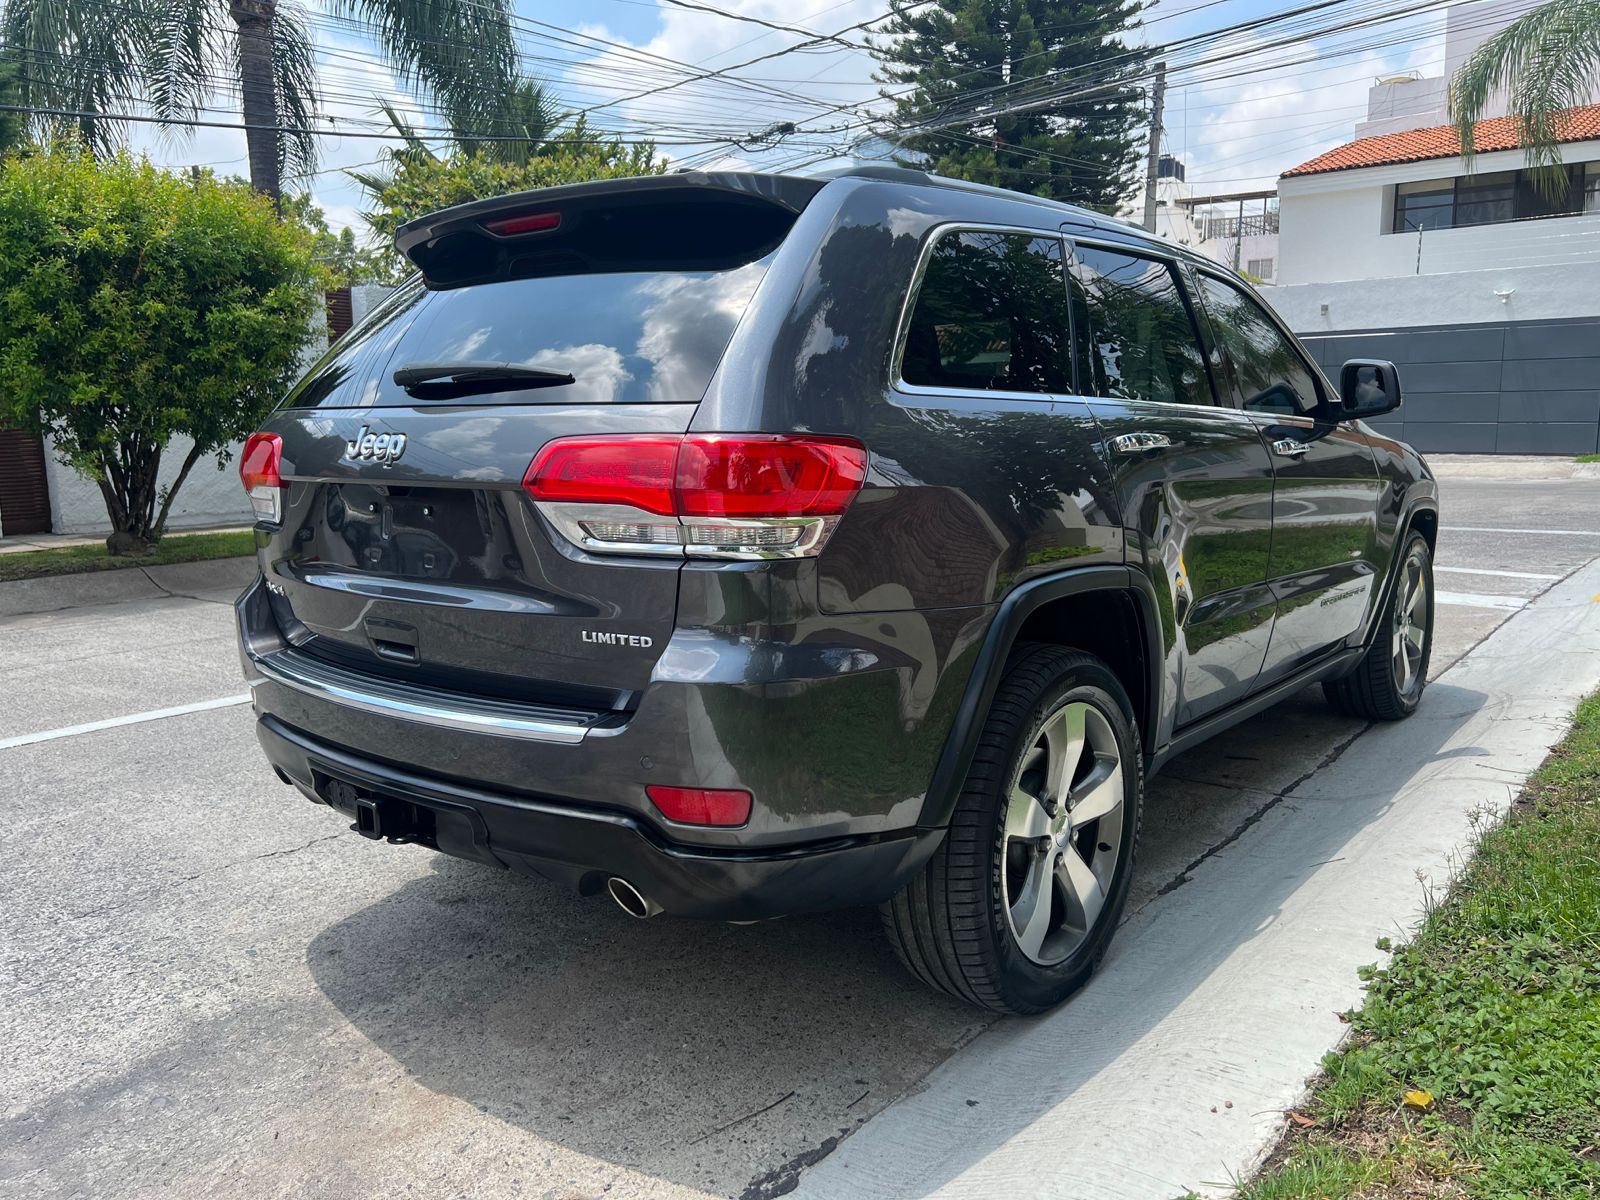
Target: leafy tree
343,260
98,59
415,181
966,59
136,306
1547,61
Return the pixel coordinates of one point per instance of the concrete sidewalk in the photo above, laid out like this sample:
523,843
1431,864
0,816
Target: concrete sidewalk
23,542
1510,466
1173,1069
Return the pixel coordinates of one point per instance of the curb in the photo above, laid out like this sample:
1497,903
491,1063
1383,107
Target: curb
118,586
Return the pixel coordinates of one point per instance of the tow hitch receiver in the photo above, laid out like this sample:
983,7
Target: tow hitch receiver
369,818
380,818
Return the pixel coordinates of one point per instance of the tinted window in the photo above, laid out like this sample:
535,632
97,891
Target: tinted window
1141,343
1429,205
991,313
1271,373
626,338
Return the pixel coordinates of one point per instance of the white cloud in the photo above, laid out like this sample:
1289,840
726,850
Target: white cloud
1240,134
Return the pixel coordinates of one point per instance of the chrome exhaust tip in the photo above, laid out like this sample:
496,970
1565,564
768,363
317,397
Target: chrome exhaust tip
630,899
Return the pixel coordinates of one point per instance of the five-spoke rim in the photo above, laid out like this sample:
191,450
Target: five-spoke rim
1063,832
1410,625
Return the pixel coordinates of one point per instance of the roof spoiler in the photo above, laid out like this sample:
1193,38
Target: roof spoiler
713,220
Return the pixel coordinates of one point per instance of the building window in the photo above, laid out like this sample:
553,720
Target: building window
1428,205
1260,268
1491,199
1486,199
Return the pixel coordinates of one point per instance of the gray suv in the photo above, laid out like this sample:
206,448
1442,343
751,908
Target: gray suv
745,545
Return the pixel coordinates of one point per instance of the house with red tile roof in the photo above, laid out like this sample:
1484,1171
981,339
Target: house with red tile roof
1404,203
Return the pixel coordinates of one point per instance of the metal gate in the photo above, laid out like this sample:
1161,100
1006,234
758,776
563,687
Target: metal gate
24,494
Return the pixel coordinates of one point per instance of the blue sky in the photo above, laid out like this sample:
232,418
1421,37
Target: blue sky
1278,107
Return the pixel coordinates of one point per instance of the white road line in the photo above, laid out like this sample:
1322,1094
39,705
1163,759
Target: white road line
154,714
1437,570
1475,600
1488,529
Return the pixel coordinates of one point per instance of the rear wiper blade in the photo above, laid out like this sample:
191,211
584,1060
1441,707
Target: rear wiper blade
447,381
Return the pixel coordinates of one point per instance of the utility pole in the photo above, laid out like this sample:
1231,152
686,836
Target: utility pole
1157,99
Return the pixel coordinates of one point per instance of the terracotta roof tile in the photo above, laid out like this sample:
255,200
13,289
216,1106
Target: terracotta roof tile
1440,141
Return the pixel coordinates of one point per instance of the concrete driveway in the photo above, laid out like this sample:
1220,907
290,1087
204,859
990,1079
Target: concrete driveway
209,987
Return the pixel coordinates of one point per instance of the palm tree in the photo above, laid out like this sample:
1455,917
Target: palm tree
87,60
527,117
1546,61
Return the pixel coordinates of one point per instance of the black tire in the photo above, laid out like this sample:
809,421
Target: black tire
953,926
1379,688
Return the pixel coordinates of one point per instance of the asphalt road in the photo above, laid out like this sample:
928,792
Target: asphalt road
209,987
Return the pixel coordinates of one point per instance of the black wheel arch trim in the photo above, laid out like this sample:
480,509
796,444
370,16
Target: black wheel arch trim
1418,502
961,743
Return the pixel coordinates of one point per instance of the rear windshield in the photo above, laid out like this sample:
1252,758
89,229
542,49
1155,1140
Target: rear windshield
648,337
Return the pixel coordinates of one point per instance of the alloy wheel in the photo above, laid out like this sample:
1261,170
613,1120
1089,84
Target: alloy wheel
1063,832
1410,625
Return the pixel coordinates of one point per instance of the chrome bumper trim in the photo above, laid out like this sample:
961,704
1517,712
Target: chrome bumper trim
405,702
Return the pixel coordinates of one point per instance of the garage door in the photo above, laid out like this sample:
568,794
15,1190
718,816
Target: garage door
24,496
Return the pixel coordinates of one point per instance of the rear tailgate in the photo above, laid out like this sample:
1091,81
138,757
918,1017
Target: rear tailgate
407,546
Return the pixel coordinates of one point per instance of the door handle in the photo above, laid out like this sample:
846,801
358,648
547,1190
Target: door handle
1291,447
1138,443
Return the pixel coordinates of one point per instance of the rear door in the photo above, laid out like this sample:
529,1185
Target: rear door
1325,553
408,547
1193,477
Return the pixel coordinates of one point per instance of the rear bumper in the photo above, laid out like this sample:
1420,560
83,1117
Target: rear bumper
584,847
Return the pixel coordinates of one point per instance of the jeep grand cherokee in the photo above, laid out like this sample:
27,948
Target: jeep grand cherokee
744,545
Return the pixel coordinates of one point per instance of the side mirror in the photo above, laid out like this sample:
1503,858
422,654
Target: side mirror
1368,387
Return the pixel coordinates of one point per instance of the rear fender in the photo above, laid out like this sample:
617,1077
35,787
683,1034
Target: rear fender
993,659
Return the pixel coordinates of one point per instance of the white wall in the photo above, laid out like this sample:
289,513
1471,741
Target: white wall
208,498
1456,298
1333,226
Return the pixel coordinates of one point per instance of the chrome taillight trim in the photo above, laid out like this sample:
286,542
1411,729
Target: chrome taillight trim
572,522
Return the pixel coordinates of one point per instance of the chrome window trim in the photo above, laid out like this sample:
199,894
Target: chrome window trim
908,303
405,703
1141,249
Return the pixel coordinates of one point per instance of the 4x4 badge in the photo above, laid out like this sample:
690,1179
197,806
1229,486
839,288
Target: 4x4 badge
367,446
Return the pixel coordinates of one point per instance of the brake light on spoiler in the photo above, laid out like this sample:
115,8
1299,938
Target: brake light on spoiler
742,496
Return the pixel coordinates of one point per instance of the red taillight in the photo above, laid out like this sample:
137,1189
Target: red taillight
722,495
700,806
259,471
258,465
636,471
768,476
528,223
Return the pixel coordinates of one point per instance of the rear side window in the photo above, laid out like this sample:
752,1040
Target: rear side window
991,314
1270,371
1140,341
625,337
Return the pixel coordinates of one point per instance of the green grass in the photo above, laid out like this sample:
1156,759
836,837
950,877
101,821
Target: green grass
1588,458
174,548
1494,1009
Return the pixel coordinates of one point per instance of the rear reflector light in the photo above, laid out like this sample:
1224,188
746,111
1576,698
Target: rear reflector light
700,806
259,467
528,223
705,495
